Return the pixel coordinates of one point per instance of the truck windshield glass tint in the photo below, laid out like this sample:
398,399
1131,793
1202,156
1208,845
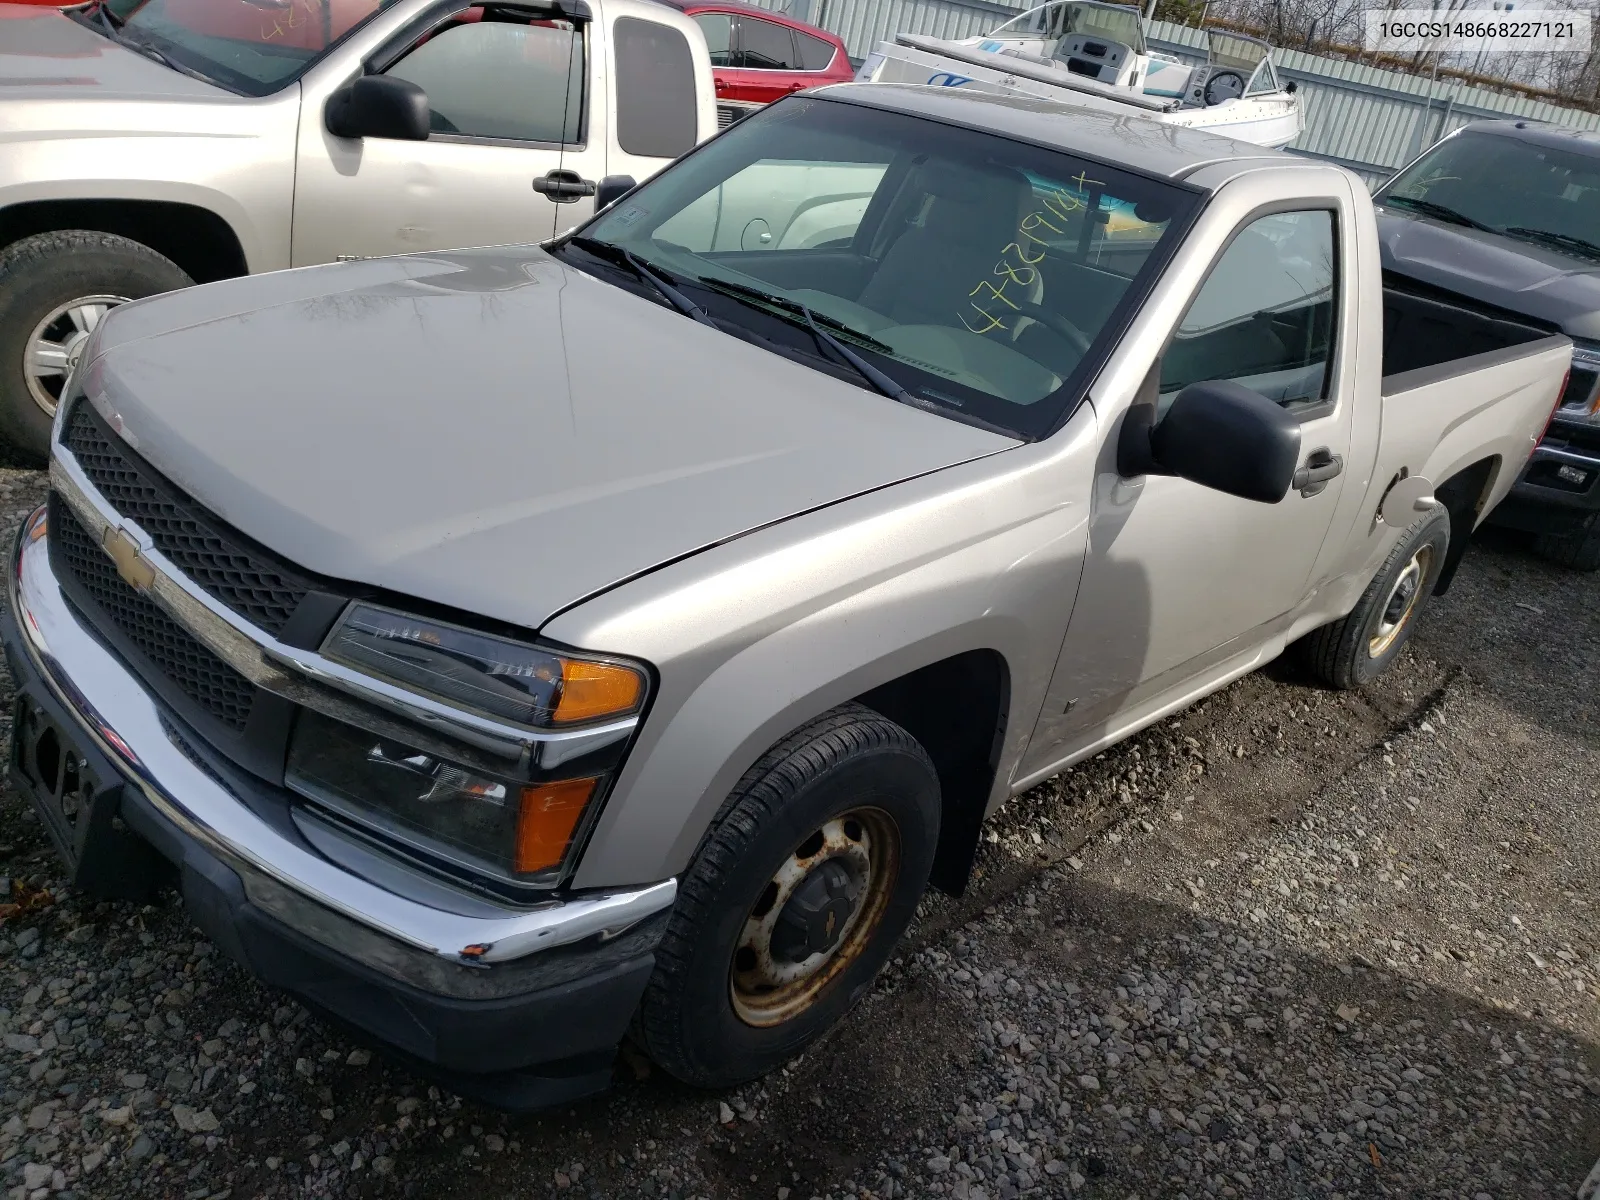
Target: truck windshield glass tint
977,272
254,48
1509,186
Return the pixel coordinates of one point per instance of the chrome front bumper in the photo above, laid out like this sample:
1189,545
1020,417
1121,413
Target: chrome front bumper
481,950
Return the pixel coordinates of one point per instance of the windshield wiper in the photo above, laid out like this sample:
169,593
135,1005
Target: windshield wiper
1443,212
1560,241
102,11
797,313
647,272
742,291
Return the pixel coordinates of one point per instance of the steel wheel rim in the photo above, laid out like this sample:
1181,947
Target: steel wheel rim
767,984
52,349
1401,602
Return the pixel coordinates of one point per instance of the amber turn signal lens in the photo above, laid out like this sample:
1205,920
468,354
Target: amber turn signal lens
595,689
545,824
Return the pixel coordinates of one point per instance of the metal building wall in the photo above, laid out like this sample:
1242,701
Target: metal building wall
1365,118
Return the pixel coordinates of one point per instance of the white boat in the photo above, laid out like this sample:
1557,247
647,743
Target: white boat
1094,55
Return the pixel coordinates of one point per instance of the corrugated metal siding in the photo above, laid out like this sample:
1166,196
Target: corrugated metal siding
1369,119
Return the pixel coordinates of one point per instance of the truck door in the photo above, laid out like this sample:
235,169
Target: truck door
508,91
1181,580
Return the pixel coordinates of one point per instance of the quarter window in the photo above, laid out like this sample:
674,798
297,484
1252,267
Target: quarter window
520,80
1264,317
815,54
656,104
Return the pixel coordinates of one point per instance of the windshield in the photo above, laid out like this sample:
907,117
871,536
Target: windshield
978,274
1054,21
253,47
1535,193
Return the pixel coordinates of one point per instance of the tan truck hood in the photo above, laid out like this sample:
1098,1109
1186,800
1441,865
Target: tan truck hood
489,429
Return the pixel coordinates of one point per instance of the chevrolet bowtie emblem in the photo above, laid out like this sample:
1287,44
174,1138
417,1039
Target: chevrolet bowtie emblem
124,551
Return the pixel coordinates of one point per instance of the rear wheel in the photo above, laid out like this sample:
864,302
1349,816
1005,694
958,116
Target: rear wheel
54,289
800,891
1360,646
1579,551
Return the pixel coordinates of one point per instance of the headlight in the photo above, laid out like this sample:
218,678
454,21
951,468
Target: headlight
493,676
1582,397
515,830
460,818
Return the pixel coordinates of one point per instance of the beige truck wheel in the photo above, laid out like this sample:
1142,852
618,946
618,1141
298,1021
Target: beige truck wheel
1360,646
54,288
803,885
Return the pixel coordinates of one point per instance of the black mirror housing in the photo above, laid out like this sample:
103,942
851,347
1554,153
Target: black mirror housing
379,106
1225,437
611,189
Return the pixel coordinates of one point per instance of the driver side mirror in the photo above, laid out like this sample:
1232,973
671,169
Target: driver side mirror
379,106
611,189
1218,434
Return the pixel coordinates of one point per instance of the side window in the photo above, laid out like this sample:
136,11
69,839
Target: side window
656,104
765,46
815,54
519,80
1264,317
718,28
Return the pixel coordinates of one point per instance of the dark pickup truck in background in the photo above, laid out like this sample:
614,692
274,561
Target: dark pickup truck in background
1505,216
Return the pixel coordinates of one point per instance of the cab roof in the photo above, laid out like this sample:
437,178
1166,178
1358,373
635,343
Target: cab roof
1136,143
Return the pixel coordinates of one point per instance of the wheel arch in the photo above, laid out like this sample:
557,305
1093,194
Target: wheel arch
1464,496
965,740
203,244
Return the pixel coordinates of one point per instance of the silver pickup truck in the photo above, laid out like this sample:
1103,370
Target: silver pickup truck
506,648
148,144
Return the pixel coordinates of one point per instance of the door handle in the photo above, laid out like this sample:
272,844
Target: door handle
563,187
1320,466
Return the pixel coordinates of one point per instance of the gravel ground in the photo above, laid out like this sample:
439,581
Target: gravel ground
1290,943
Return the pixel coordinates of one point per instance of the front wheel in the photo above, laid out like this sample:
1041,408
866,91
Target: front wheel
54,288
802,887
1360,646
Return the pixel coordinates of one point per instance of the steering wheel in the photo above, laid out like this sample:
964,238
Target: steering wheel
1224,85
1055,323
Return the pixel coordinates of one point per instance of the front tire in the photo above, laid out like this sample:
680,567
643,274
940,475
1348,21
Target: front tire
800,890
54,288
1360,646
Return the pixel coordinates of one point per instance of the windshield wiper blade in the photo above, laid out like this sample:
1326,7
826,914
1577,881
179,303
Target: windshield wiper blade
646,271
1561,241
140,46
102,11
798,313
743,291
1443,212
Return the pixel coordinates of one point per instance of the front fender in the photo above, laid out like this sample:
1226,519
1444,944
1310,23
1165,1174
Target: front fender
754,637
234,159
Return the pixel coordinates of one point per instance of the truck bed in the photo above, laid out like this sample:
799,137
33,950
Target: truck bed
1421,331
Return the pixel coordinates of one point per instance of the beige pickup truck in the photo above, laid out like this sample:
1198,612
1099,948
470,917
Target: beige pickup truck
149,144
622,633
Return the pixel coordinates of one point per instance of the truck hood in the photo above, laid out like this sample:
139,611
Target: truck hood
1554,288
488,429
46,56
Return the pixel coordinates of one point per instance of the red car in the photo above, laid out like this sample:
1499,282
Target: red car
759,56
